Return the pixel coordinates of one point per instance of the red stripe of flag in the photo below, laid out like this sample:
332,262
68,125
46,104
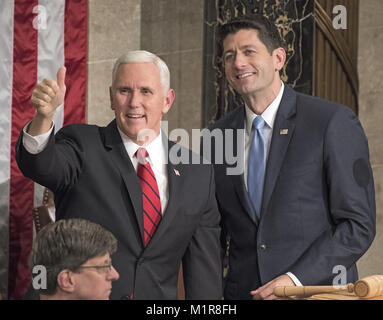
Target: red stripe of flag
21,189
76,49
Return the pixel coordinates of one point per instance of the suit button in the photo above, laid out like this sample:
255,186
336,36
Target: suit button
262,247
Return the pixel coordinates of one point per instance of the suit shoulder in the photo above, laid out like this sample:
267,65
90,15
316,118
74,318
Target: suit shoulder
223,122
318,113
319,107
78,127
81,130
81,134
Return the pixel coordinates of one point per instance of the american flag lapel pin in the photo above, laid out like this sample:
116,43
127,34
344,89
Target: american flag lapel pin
283,131
177,172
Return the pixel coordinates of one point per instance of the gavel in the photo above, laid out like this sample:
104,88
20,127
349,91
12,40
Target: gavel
368,287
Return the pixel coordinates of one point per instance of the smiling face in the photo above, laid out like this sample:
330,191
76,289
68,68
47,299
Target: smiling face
138,100
250,68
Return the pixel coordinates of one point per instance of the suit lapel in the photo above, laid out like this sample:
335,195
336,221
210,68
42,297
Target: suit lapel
119,156
282,132
240,189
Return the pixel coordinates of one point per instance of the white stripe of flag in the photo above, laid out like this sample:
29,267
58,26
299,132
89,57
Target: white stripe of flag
50,57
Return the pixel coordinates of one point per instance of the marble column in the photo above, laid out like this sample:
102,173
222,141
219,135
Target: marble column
370,68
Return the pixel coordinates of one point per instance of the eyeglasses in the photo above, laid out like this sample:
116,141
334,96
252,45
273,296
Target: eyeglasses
105,268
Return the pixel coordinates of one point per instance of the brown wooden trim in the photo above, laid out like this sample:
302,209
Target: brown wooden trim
339,45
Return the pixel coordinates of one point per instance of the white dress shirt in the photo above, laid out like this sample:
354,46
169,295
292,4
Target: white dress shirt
156,158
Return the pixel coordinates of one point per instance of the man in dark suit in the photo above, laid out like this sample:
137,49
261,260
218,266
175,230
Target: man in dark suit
303,207
119,176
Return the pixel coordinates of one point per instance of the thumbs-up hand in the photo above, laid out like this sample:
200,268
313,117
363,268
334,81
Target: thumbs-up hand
49,94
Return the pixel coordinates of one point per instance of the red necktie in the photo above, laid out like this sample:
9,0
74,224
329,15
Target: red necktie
150,195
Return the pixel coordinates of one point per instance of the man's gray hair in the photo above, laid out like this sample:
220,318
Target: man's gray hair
144,56
67,244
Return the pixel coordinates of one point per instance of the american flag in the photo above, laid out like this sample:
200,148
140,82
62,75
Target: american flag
36,38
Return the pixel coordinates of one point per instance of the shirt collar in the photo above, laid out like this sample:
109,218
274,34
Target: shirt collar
268,115
154,148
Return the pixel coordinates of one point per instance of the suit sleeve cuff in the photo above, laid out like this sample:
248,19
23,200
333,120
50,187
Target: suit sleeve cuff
294,278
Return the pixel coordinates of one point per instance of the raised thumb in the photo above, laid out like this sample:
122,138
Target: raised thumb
61,77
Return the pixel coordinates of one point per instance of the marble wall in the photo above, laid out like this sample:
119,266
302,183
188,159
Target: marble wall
173,30
370,68
114,28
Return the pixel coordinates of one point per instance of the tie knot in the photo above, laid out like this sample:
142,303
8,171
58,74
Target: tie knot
258,123
141,155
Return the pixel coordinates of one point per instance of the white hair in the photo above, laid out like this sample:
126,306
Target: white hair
144,56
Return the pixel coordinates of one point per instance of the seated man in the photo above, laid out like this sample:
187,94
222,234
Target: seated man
75,254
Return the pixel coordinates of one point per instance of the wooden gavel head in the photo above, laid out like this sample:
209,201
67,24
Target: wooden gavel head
369,287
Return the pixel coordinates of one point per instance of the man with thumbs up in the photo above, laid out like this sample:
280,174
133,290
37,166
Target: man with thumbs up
119,176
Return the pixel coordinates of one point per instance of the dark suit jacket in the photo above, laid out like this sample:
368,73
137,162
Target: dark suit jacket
318,208
93,178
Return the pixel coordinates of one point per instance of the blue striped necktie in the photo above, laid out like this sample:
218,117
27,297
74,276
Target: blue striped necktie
256,165
150,195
